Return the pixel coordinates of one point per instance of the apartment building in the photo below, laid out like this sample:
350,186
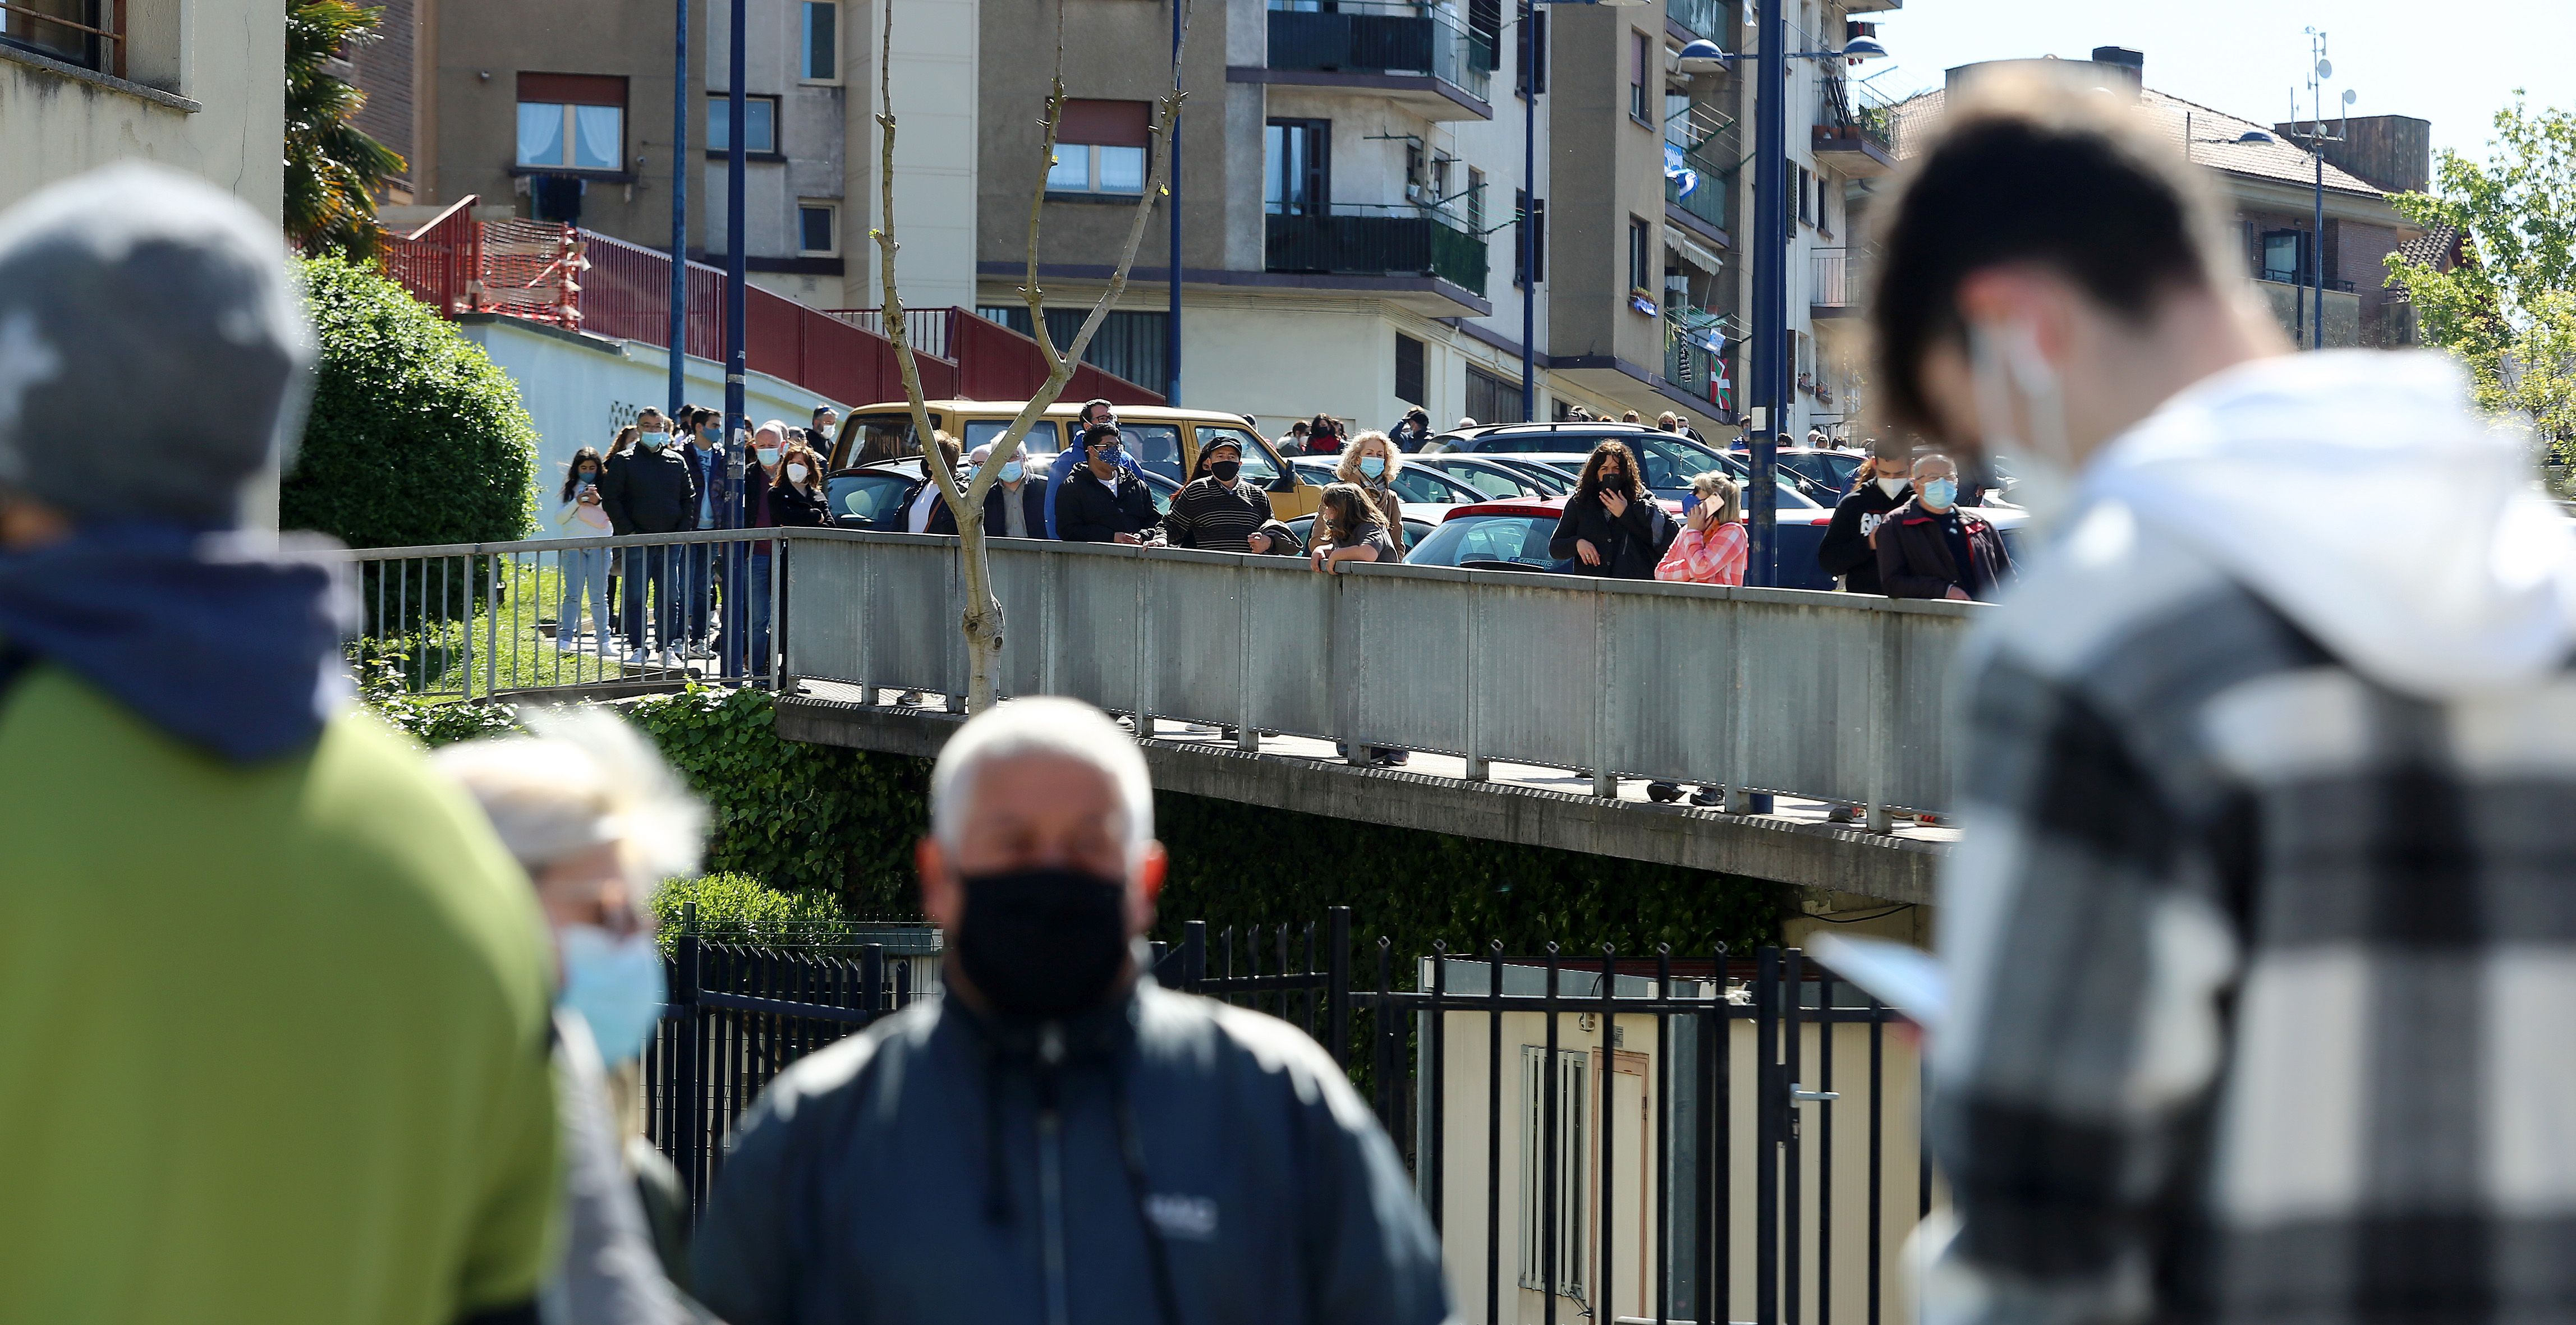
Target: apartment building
564,112
197,85
2269,177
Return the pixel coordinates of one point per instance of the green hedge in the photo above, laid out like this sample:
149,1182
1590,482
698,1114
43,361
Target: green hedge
415,436
741,908
817,821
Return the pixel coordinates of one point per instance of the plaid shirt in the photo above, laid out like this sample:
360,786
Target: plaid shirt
2264,1003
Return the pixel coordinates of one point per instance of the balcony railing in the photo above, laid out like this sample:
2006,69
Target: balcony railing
1705,18
1695,358
91,36
1371,36
1829,278
1703,187
1373,240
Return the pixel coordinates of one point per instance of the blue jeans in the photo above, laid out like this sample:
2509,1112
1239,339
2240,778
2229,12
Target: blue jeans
703,565
585,581
651,567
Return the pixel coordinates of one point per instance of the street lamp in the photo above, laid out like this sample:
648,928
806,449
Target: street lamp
2317,137
1768,389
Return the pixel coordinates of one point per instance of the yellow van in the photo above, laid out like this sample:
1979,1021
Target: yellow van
1163,440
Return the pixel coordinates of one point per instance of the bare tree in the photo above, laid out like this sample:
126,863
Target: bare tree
983,619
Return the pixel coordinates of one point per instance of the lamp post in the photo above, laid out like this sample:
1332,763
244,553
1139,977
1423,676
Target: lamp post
1767,384
1172,321
2319,70
1530,56
680,107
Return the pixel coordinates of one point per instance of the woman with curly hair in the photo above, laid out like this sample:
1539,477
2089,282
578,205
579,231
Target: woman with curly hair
1612,526
1370,464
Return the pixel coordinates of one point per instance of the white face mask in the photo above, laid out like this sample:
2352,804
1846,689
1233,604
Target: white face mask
2011,372
1891,486
797,473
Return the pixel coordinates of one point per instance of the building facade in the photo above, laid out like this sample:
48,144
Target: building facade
197,85
564,112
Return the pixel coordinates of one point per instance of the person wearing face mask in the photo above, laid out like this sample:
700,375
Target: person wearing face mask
797,498
651,490
585,570
595,818
1014,506
1929,548
1218,510
2255,939
1060,471
1103,501
1370,463
1412,431
1070,1141
1849,551
1612,526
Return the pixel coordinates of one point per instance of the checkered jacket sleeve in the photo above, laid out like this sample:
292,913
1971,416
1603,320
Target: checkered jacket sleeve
2261,972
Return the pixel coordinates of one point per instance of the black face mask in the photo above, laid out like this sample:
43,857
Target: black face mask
1225,470
1042,943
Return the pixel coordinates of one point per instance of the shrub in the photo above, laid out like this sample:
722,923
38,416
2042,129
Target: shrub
416,436
740,908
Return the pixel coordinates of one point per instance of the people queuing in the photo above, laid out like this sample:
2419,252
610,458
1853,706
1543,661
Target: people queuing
926,495
1930,548
1093,413
1014,507
1370,463
584,514
1102,500
1710,549
1612,526
650,489
1849,551
1411,431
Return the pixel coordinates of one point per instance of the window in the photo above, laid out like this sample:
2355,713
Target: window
1408,371
818,56
1100,147
1532,68
54,28
759,125
1553,1261
1640,255
1802,177
1156,448
1297,167
1484,34
2281,255
1129,344
572,121
1492,399
1042,438
1637,75
1257,467
1476,203
818,229
1533,214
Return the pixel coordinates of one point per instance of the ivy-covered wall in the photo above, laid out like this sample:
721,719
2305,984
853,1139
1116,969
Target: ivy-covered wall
812,819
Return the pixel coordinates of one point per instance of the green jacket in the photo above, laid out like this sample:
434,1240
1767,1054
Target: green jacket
273,1038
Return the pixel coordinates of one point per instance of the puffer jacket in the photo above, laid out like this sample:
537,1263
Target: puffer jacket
1166,1158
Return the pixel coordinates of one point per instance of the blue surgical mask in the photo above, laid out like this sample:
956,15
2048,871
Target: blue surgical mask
768,455
651,441
1011,471
615,984
1372,466
1940,492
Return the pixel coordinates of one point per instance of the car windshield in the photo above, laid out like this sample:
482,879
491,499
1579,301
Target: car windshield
1467,538
1043,439
868,438
863,498
1155,447
1491,482
1418,484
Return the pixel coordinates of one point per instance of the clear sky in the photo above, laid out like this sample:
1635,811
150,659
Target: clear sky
2455,62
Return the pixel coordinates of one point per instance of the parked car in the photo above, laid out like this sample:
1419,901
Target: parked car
1498,535
1163,440
1425,495
874,496
1415,531
1826,475
1493,477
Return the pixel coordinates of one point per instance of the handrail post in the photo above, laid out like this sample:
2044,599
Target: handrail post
1769,1088
1193,955
1605,784
872,979
1337,990
1882,725
689,1116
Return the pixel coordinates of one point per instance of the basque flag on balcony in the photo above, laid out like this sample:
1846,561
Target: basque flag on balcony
1682,177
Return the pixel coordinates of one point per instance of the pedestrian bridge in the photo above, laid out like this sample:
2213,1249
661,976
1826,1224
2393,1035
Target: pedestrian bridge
1537,707
1540,705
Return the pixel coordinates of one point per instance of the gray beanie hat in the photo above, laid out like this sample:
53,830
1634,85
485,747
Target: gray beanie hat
152,308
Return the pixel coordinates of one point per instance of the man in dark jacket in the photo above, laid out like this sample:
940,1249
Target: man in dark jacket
1850,552
1929,548
1013,488
1103,502
1060,1139
1093,413
651,490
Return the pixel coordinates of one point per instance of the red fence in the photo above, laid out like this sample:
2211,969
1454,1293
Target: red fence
613,288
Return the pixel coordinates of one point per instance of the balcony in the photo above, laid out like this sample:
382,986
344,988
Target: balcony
1703,18
1855,131
1423,58
1700,188
1829,284
1695,359
1376,241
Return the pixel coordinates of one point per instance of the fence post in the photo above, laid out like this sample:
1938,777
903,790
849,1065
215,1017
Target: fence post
776,659
689,1096
1193,955
1479,769
1882,726
1337,989
1767,1110
492,596
446,599
1605,784
872,979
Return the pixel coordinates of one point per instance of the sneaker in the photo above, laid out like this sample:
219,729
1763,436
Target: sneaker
1663,793
1928,819
567,644
1708,796
701,651
1843,814
909,697
634,657
672,658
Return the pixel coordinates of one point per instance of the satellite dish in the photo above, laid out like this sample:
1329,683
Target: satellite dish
2325,68
2350,96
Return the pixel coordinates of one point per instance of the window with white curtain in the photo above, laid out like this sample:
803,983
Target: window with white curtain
572,122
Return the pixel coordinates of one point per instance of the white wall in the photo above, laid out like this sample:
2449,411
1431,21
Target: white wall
580,392
936,82
221,67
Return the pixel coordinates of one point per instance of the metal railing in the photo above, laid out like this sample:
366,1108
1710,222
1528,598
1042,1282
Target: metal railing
96,44
599,614
1707,191
1374,239
1835,696
926,328
1712,19
1695,357
1829,278
1382,36
1508,1084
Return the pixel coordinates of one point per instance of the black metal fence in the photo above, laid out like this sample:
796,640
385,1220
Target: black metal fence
1772,1171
